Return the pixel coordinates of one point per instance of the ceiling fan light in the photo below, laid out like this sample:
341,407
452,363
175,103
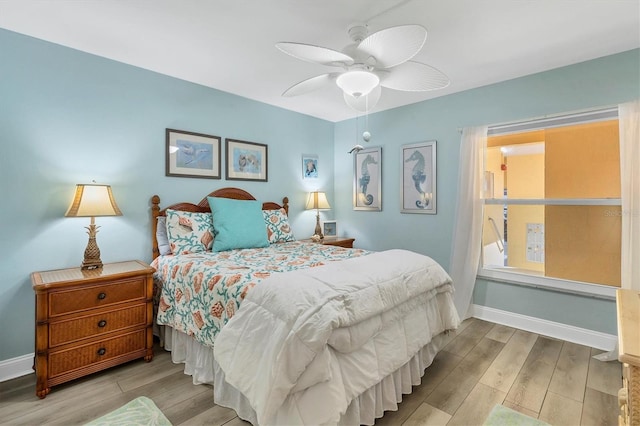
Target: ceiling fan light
357,83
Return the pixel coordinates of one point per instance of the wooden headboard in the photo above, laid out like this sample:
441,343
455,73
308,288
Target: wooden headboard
203,207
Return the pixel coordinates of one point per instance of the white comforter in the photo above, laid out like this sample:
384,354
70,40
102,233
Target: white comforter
305,343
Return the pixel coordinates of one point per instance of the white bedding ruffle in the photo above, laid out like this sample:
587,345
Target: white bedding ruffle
370,405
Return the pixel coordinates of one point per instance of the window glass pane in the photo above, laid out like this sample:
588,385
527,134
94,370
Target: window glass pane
543,179
583,161
583,243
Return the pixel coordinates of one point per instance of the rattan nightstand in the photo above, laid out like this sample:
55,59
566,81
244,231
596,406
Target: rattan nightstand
89,320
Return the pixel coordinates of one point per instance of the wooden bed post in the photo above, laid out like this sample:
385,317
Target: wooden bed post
285,205
155,210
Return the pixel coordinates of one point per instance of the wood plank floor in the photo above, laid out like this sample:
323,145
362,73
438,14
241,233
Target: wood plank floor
482,365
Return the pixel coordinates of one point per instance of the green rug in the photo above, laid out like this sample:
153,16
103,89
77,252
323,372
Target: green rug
140,411
503,416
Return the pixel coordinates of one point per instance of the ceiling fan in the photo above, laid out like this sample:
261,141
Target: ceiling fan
381,59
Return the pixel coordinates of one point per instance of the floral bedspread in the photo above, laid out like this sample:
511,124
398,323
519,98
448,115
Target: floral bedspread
199,293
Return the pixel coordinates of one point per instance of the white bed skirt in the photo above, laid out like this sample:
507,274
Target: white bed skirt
385,396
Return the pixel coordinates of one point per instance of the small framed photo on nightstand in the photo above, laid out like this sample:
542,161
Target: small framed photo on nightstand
330,228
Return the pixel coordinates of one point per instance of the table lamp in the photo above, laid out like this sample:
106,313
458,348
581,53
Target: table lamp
317,200
91,200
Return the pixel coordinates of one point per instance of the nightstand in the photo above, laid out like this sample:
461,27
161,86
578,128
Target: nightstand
89,320
336,241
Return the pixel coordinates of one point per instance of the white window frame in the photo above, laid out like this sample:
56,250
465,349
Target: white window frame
555,284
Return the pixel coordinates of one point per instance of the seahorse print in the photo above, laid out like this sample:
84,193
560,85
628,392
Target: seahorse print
365,178
417,173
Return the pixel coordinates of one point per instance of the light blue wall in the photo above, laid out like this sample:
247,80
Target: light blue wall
68,117
601,82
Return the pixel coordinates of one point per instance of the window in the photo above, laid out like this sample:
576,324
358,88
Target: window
552,210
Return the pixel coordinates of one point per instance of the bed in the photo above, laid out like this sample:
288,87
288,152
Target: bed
293,332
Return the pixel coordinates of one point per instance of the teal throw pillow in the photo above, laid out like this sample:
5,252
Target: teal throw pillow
237,224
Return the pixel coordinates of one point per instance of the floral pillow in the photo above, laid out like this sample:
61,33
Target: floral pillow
189,232
278,229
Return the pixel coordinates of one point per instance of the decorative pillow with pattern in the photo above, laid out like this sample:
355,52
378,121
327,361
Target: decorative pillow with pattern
278,228
189,232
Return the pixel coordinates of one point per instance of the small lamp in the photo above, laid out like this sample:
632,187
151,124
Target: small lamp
92,200
317,200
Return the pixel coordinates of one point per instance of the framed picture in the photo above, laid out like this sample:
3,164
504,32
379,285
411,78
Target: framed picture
246,160
309,166
367,179
419,178
330,228
192,154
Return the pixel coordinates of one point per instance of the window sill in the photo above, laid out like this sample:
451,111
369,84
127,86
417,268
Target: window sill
553,284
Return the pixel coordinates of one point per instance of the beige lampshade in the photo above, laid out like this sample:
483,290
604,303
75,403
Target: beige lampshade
93,200
317,200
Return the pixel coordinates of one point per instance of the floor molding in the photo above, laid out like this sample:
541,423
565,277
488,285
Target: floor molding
16,367
582,336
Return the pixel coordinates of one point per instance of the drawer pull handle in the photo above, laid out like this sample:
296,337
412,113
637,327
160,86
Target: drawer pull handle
102,323
102,351
102,296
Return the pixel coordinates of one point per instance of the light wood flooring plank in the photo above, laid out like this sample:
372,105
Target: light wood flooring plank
599,408
504,369
427,415
476,408
442,365
182,411
501,333
456,386
604,376
466,340
560,410
530,387
214,416
570,377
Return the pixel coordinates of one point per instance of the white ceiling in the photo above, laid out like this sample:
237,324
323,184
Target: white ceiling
229,44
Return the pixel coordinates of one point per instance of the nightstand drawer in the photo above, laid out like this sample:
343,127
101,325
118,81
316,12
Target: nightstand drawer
64,361
68,301
62,332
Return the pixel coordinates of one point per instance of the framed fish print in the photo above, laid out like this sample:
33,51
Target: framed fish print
246,160
367,179
191,154
418,167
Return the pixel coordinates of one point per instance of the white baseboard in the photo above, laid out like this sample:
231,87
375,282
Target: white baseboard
16,367
582,336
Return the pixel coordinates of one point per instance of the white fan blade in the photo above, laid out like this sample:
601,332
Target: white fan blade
364,103
315,54
311,84
395,45
414,77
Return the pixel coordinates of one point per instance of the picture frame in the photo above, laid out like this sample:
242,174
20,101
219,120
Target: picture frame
367,179
190,154
330,228
419,185
309,166
246,160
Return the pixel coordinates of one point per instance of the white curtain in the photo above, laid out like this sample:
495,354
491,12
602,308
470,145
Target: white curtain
467,225
629,122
